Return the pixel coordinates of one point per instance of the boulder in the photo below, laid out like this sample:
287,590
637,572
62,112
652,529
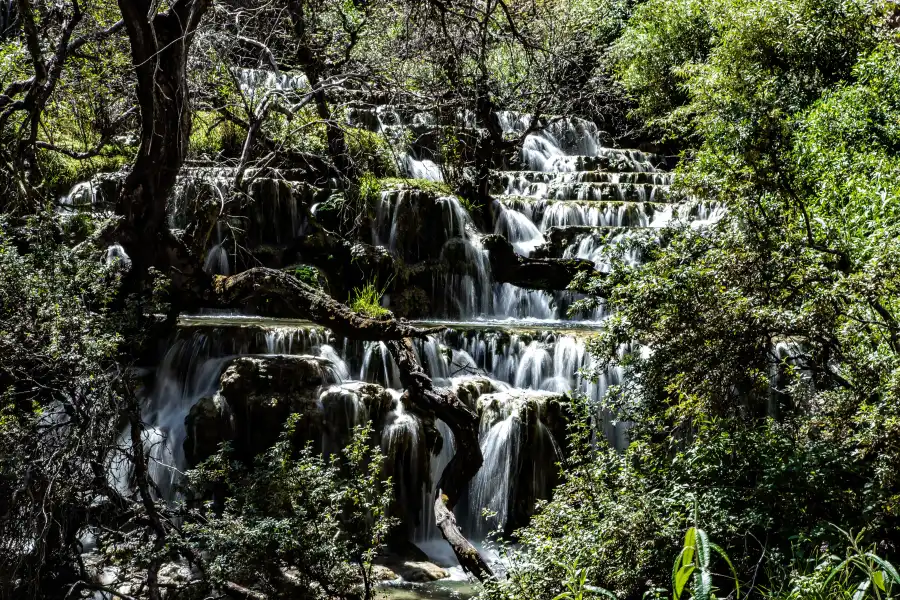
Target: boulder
421,572
470,389
257,394
255,397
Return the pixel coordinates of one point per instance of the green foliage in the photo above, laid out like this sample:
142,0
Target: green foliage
615,522
320,519
307,274
846,146
662,37
577,587
678,58
61,172
367,301
693,566
859,574
369,189
371,152
61,393
212,136
768,397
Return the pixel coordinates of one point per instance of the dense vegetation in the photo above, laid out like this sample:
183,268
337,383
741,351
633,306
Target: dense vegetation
762,371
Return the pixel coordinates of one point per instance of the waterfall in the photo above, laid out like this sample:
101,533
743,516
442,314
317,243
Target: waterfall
519,230
187,373
216,262
420,169
503,351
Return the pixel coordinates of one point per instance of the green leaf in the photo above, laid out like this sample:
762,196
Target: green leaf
861,589
702,549
677,566
681,578
834,572
737,583
689,546
602,591
878,578
888,567
703,589
563,596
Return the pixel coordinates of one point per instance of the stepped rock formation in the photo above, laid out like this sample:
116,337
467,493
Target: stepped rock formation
495,278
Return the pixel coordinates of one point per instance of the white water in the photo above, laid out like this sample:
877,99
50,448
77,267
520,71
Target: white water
573,181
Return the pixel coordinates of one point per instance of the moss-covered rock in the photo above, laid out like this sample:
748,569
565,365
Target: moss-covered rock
411,303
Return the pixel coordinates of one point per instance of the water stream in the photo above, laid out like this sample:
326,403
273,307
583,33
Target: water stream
512,352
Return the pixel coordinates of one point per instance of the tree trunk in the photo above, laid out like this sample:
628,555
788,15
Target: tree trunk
307,303
160,44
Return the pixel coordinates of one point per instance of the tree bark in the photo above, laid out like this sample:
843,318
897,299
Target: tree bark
307,303
463,422
160,44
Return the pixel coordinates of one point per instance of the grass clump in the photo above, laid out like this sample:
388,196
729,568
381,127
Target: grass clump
366,300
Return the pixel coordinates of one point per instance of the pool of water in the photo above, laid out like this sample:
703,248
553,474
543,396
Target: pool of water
438,590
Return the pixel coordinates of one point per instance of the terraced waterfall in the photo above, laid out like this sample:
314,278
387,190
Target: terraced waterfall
512,353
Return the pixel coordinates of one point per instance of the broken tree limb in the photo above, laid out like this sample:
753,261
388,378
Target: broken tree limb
549,274
306,302
463,422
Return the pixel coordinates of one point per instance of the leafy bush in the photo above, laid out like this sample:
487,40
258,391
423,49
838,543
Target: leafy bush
61,396
212,136
679,61
369,189
859,574
371,152
295,523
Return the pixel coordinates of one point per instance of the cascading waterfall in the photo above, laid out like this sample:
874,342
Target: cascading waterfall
578,199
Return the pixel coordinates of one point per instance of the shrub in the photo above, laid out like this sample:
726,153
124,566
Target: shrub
61,397
296,522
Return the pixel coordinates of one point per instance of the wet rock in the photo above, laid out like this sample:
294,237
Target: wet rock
412,222
532,273
411,303
350,405
383,573
255,397
469,390
419,571
257,394
532,421
208,424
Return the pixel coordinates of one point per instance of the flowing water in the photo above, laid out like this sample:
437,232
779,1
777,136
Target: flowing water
509,351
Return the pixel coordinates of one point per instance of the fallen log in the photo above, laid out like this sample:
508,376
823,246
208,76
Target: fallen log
463,422
307,302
